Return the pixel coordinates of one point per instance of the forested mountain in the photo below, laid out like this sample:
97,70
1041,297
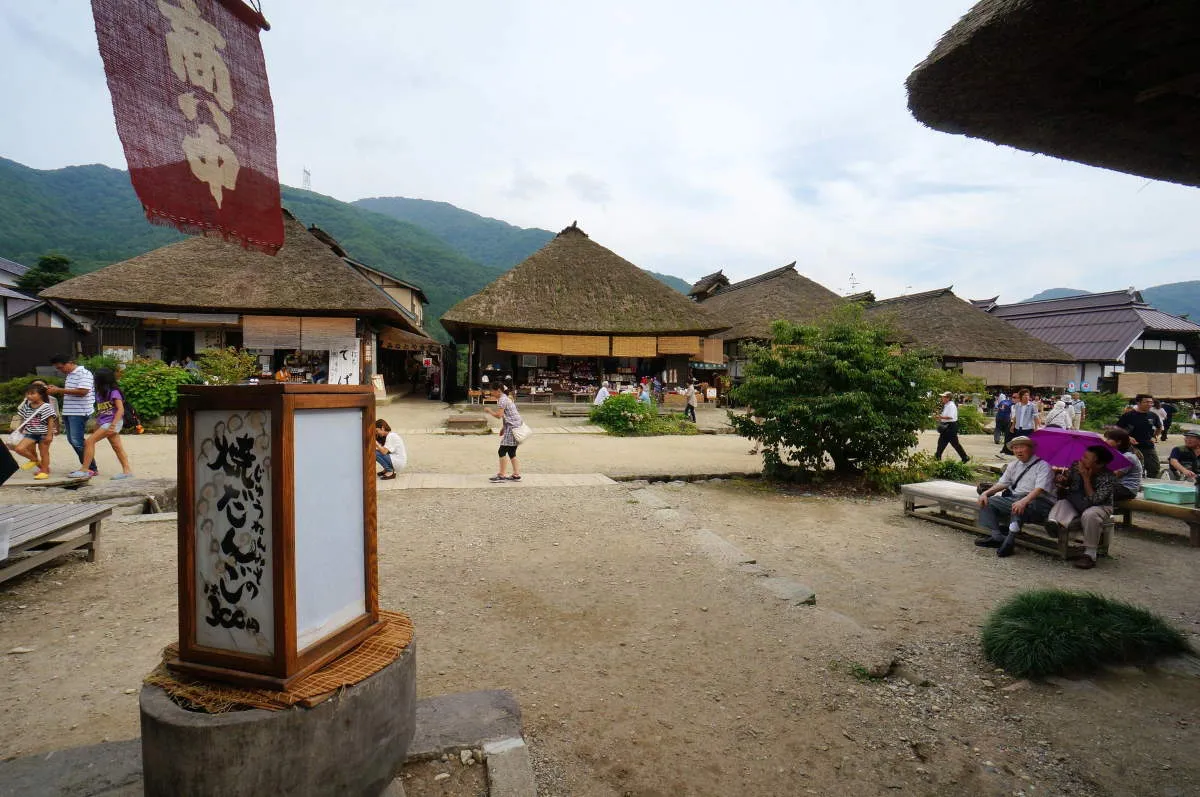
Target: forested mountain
91,215
489,241
1176,298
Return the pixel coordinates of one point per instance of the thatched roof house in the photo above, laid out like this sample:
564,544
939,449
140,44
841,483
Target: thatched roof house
209,275
963,335
1108,82
752,305
575,285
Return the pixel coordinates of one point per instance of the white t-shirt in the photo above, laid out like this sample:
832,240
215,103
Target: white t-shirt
601,395
79,405
396,451
949,413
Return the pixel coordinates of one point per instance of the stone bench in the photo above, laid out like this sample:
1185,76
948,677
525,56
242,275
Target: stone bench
956,505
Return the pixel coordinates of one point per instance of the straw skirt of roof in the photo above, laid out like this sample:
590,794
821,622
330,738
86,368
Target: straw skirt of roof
585,345
679,345
1166,386
1007,374
526,343
634,347
714,350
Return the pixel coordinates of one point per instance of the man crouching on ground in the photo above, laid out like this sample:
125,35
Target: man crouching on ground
1024,494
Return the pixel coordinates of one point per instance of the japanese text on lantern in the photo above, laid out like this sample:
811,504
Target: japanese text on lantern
193,50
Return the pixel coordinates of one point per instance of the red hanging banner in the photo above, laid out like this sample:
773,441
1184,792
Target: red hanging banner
194,113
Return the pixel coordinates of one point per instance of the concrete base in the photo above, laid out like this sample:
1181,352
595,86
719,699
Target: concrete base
353,743
489,720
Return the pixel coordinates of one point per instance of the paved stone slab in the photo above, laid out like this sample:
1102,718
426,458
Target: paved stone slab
466,481
789,590
157,517
722,550
509,770
466,719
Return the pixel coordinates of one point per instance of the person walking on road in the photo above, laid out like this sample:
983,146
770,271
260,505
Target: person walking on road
510,420
110,418
79,399
1024,418
1003,417
947,427
690,410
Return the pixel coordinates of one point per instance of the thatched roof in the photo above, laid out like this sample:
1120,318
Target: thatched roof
573,284
209,275
952,329
751,306
1110,83
706,286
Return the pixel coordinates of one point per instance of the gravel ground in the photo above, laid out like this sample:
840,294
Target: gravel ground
645,666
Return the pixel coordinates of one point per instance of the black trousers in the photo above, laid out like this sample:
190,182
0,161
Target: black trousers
689,412
948,436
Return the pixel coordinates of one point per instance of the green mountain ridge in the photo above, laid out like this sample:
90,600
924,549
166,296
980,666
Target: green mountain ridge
1176,298
489,241
91,215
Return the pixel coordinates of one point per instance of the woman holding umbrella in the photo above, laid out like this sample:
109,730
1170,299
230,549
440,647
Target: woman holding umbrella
1085,492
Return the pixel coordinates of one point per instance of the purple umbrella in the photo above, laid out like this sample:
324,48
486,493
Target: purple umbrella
1063,447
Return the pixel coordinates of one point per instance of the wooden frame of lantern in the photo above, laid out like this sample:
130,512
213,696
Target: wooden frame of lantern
277,537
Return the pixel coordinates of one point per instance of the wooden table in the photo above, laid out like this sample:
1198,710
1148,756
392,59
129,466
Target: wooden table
957,505
52,530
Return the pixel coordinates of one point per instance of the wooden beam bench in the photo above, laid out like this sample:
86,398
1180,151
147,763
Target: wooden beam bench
1188,514
47,531
956,505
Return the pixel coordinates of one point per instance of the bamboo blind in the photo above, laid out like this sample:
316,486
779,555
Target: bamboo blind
1177,386
1022,373
679,345
634,347
529,344
585,345
271,332
323,334
714,350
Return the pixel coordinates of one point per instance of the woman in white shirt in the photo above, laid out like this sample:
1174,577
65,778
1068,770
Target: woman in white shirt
389,450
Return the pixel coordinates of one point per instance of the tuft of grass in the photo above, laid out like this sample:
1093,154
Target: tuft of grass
1052,632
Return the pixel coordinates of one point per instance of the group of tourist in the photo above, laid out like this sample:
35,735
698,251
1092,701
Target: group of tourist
83,393
651,390
1031,491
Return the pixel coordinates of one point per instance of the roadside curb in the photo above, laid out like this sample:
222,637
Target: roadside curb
684,477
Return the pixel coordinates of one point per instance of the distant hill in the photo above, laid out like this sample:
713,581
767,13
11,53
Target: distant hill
1176,298
1056,293
488,241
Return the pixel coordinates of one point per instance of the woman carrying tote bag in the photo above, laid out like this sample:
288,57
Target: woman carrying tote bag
511,424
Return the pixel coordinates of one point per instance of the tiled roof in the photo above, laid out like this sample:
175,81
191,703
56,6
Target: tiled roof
1096,327
12,267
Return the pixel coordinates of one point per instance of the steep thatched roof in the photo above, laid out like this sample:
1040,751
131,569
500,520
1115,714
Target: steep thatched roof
706,286
750,306
573,284
201,274
952,329
1110,83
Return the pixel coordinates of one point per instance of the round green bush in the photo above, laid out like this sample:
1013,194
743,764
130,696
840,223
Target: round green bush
1053,632
622,414
152,386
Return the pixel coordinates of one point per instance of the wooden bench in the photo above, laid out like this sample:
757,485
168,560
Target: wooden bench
1188,514
49,531
572,410
957,505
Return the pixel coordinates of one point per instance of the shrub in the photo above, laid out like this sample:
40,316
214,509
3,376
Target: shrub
1051,632
12,392
674,424
840,390
622,414
100,361
226,366
1103,409
954,470
152,386
919,466
970,419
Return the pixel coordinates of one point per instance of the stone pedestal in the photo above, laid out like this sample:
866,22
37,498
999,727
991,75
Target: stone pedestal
353,743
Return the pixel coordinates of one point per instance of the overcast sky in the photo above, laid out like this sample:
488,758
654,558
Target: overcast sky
685,136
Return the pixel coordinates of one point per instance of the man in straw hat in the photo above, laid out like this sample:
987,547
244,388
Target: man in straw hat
1024,494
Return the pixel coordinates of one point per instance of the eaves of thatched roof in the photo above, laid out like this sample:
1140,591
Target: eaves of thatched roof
708,285
209,275
752,305
952,329
575,285
1110,83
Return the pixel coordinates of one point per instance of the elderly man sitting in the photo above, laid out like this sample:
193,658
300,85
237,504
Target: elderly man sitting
1086,494
1024,494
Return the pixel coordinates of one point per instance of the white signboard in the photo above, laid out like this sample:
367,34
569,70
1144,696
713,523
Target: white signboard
235,606
343,363
329,522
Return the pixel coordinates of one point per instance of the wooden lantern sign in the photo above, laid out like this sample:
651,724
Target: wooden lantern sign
277,567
